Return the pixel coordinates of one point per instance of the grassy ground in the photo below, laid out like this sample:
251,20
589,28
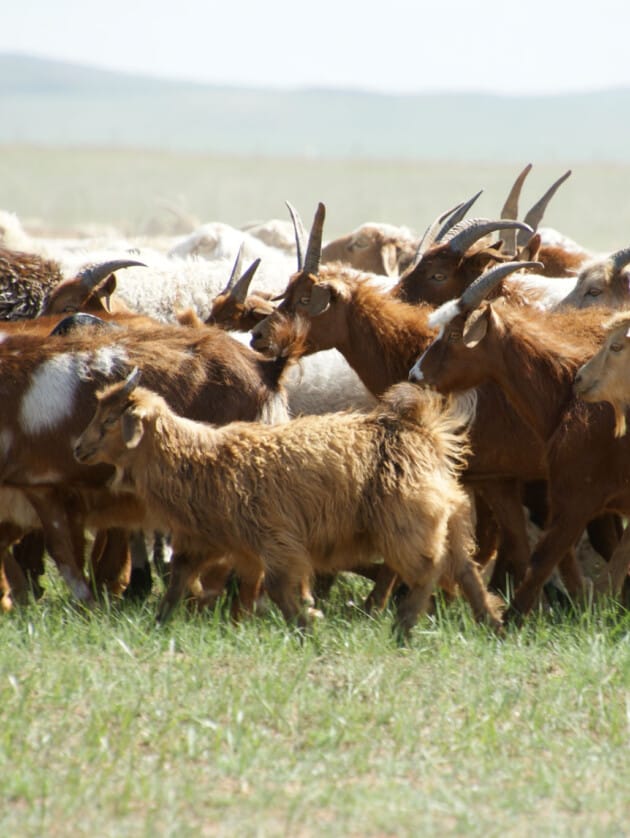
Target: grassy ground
112,727
65,188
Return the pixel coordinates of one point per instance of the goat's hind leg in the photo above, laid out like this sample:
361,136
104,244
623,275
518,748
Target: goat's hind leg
184,568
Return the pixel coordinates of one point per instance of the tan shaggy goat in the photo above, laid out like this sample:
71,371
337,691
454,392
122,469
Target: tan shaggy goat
319,494
605,377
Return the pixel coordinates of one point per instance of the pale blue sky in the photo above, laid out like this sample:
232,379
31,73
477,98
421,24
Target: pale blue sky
406,46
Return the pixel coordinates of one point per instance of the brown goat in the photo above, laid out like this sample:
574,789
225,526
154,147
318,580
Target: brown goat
48,393
533,358
379,336
362,486
450,265
233,309
31,285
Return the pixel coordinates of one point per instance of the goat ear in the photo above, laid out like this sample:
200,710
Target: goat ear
529,251
131,429
320,300
389,253
476,327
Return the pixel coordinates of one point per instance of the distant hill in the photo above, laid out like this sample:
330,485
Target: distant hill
52,103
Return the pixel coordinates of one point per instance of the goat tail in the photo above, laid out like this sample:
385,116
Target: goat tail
447,419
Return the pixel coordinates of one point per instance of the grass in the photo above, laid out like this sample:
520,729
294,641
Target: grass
113,727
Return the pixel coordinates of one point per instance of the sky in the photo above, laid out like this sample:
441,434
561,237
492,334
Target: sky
396,46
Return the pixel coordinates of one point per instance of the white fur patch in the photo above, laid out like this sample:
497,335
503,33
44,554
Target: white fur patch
274,410
444,314
50,398
109,361
415,373
466,404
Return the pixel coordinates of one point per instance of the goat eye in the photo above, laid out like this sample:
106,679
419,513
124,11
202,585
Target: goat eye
304,301
593,292
438,277
616,347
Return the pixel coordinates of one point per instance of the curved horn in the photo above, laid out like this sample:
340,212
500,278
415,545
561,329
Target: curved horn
483,285
236,270
534,216
456,216
239,289
300,234
620,259
314,249
132,381
471,231
74,321
442,225
510,209
90,277
430,233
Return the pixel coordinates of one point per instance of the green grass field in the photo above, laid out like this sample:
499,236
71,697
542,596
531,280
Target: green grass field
65,188
113,727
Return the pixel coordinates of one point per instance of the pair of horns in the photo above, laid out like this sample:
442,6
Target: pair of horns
238,284
535,214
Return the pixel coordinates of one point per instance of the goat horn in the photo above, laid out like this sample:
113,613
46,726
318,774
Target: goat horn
456,216
534,216
74,321
443,223
239,289
474,229
132,381
314,249
90,277
236,270
300,234
620,259
430,233
484,284
510,209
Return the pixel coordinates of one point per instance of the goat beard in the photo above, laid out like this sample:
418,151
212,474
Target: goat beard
620,419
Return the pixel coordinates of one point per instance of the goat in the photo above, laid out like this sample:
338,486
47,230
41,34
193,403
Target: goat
31,285
380,337
362,485
605,376
444,268
533,358
602,282
49,382
374,248
233,309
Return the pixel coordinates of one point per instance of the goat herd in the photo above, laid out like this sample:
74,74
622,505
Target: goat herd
407,407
